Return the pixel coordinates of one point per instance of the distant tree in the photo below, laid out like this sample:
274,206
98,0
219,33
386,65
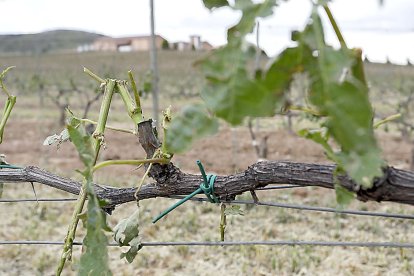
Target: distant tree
165,45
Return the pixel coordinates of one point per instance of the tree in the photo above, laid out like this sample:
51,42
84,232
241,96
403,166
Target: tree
165,45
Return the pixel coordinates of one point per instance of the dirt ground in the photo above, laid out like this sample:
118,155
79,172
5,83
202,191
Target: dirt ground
224,153
227,152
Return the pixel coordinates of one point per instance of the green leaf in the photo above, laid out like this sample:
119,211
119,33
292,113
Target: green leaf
126,233
210,4
83,143
343,196
321,137
250,12
232,95
57,139
343,97
192,123
95,259
279,76
231,92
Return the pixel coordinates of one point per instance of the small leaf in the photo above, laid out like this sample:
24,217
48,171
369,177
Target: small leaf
319,136
57,139
192,123
338,90
343,196
3,159
83,217
95,259
234,210
231,92
210,4
83,144
126,233
251,11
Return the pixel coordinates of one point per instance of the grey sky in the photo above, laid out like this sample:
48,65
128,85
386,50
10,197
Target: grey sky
380,31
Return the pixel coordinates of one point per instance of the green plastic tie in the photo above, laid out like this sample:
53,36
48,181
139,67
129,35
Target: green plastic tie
206,187
4,166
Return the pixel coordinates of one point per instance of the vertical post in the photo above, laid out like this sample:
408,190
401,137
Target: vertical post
154,67
257,66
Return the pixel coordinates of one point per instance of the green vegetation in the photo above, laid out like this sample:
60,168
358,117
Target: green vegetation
45,42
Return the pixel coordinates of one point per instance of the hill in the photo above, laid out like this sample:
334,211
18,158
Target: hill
45,42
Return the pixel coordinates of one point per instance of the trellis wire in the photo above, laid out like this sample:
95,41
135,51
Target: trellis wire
278,187
236,243
247,202
243,243
308,208
37,200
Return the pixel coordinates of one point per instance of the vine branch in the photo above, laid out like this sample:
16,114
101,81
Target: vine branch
398,186
395,186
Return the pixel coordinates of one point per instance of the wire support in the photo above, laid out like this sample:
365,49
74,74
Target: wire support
279,187
309,208
236,243
37,200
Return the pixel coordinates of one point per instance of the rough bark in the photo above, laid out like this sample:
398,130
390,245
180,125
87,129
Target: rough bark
396,186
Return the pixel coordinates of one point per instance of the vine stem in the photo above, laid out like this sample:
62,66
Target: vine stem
2,86
306,110
130,162
135,90
98,136
93,75
142,180
223,221
108,127
67,247
134,111
145,176
103,116
386,120
11,101
335,26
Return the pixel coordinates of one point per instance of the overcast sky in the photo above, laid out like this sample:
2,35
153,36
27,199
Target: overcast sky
382,32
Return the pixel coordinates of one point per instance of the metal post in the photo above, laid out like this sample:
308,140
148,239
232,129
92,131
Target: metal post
154,67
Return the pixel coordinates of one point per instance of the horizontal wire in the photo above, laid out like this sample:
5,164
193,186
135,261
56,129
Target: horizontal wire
269,204
328,210
279,187
307,208
37,200
236,243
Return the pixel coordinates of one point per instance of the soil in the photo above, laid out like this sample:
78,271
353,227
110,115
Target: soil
228,151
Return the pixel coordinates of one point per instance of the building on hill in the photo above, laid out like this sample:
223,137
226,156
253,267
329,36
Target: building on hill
128,44
195,44
143,43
